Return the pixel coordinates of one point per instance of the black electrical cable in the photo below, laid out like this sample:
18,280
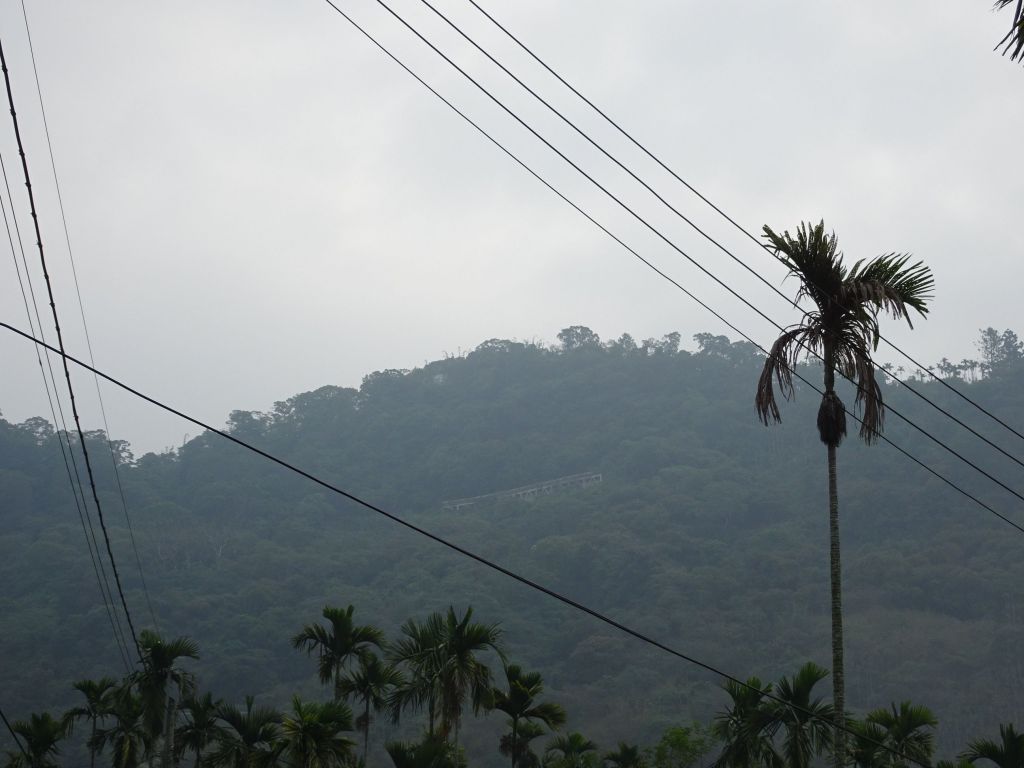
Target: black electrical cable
76,489
696,228
15,737
60,342
760,244
85,325
669,242
524,580
498,144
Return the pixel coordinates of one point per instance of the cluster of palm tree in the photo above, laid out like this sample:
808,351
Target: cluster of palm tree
788,726
156,718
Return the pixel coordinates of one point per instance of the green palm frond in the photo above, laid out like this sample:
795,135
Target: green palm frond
1014,39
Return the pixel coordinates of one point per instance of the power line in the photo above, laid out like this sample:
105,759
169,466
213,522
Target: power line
682,216
723,214
85,325
14,736
669,242
60,341
526,581
82,508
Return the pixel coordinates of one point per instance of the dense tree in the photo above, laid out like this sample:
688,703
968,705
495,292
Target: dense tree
431,752
518,747
419,651
338,644
681,746
519,702
463,677
802,718
127,736
843,330
98,702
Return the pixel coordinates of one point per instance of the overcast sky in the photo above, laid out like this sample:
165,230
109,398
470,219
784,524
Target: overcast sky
260,202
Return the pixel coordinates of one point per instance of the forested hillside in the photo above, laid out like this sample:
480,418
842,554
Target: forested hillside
708,532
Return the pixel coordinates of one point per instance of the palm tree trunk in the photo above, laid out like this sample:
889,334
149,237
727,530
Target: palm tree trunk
835,575
92,749
168,747
515,740
366,732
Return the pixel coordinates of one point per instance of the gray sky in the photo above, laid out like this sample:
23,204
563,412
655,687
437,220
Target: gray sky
261,203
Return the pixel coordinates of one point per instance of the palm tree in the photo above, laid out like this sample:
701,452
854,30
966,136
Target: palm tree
39,736
517,746
568,751
1009,754
311,736
97,706
200,729
843,330
444,671
337,644
902,730
1015,37
429,753
248,739
625,756
462,675
519,703
741,728
802,718
161,685
128,737
420,651
371,684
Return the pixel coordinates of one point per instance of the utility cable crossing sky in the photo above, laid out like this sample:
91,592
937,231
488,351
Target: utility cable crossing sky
633,213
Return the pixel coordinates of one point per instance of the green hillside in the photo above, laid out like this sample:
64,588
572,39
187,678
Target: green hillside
708,532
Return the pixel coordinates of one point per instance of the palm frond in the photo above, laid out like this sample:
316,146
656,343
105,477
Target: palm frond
1014,39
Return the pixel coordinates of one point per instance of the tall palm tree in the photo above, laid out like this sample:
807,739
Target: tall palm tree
97,705
1008,754
801,717
127,736
248,739
625,756
370,684
161,684
39,735
741,727
569,751
843,330
201,728
338,644
519,703
311,736
1014,40
905,731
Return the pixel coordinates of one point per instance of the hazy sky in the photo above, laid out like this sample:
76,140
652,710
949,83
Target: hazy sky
261,203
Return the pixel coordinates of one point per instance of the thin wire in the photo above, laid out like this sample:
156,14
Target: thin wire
60,341
64,436
723,214
85,325
671,244
700,231
450,544
14,735
645,261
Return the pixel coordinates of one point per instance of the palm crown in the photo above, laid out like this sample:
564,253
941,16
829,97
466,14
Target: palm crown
842,329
